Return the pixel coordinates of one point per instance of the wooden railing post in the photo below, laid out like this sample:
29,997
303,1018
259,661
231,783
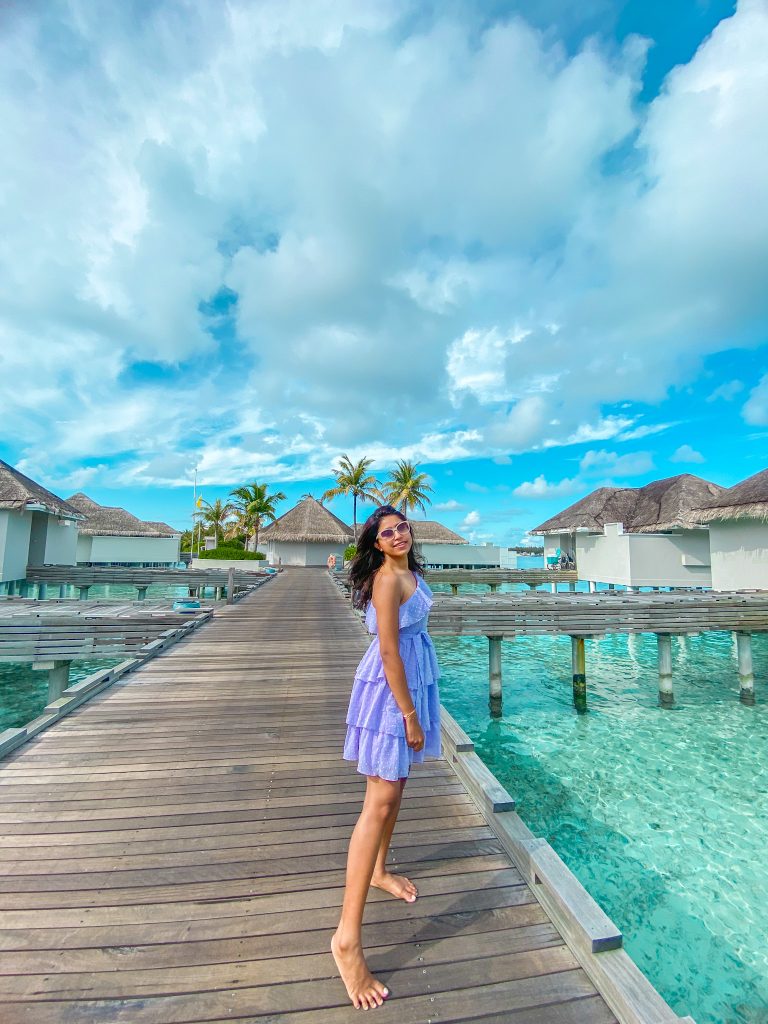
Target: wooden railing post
495,682
230,584
579,669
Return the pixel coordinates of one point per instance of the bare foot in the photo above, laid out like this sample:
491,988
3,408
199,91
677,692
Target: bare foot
400,886
363,989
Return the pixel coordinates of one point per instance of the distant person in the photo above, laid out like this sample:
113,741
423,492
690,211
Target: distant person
393,720
331,563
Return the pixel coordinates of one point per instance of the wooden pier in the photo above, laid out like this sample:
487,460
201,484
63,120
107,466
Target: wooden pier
583,616
44,578
493,578
173,852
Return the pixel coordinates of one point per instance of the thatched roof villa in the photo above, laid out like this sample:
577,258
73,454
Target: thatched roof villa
36,526
309,533
637,536
110,535
305,535
737,519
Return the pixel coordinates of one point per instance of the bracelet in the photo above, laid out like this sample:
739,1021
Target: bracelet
411,712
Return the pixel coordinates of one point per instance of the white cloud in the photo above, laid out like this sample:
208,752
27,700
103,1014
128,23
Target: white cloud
476,363
755,409
470,520
448,506
685,453
543,488
633,464
727,391
428,258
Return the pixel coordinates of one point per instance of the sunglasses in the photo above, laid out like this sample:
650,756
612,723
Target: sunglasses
395,531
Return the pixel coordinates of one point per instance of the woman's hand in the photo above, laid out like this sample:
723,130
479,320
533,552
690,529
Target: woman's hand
414,734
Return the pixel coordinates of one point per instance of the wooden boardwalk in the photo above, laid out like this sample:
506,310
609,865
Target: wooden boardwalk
173,852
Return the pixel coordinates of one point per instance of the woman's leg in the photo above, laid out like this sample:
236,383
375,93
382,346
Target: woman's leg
398,885
381,796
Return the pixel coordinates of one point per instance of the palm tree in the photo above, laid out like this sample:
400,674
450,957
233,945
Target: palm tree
353,478
252,506
215,516
406,488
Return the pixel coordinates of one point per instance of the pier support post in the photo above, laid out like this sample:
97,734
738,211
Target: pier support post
553,587
191,591
572,588
494,676
592,586
63,590
142,591
231,584
84,592
42,591
666,696
494,587
11,588
24,589
746,672
579,668
611,586
454,590
58,679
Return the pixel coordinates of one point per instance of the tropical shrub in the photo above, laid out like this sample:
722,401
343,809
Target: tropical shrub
232,553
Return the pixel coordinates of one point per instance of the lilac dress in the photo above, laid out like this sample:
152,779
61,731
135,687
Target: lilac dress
375,727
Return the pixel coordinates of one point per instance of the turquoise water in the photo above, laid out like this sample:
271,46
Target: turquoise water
661,814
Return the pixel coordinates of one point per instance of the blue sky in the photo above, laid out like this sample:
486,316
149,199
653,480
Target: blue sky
521,244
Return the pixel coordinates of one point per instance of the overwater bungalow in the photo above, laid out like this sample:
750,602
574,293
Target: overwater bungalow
650,536
441,548
738,535
36,526
305,535
112,536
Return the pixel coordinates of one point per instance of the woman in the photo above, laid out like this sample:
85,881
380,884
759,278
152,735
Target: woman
393,720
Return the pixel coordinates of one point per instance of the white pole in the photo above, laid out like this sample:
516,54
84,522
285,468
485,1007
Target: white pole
194,509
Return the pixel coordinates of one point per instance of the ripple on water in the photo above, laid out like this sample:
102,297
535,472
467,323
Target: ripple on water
660,813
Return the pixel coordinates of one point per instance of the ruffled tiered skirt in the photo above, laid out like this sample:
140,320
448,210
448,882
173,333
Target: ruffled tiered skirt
375,728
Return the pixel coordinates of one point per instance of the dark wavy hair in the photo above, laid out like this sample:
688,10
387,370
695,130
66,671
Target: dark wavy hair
368,559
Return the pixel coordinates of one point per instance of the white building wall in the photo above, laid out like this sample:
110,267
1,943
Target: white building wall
83,549
14,544
670,560
61,542
508,558
449,556
300,553
739,551
132,550
603,558
644,559
38,531
51,542
3,529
